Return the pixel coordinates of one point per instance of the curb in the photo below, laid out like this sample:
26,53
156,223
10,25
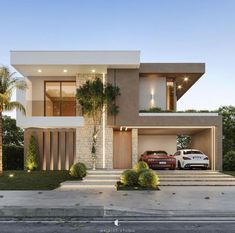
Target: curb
87,212
42,212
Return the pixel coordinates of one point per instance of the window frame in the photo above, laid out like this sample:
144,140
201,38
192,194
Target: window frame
44,95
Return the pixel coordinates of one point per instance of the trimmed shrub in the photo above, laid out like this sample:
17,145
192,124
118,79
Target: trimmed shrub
140,165
229,161
78,170
142,170
129,177
32,155
148,179
13,157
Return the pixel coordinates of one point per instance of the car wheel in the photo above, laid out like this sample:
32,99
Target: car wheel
179,165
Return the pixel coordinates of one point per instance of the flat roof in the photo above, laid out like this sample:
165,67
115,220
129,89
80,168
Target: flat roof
28,62
184,74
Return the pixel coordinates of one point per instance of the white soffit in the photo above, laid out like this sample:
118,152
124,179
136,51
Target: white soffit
54,62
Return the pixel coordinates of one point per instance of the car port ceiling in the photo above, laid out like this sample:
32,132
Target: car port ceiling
170,131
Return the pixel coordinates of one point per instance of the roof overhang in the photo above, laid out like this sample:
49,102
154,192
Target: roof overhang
55,62
178,71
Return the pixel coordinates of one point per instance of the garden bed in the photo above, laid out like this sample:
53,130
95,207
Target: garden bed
122,187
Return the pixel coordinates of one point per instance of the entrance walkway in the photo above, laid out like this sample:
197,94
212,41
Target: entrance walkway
108,179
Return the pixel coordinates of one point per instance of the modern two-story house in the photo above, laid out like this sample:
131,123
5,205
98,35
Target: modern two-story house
64,134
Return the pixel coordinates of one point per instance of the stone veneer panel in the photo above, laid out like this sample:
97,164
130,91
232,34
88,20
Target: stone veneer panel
134,134
84,135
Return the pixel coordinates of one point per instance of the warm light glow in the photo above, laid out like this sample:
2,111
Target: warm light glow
39,71
126,129
179,87
103,126
121,128
93,71
186,79
65,71
28,170
11,175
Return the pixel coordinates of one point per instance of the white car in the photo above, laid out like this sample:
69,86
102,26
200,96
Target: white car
191,158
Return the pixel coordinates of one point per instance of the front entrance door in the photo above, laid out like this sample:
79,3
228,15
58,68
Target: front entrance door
122,152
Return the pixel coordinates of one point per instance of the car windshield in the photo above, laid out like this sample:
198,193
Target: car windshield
187,152
156,152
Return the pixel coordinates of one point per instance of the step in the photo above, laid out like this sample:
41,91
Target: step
161,175
197,183
90,184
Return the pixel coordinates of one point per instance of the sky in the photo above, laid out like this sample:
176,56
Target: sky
164,31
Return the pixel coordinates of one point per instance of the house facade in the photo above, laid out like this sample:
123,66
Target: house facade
64,135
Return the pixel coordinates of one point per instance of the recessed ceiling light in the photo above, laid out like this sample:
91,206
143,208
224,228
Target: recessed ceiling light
186,79
39,71
179,87
65,71
93,71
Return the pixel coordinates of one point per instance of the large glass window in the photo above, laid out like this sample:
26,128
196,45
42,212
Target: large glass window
170,95
60,98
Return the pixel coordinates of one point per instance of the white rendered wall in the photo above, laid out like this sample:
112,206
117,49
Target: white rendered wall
152,93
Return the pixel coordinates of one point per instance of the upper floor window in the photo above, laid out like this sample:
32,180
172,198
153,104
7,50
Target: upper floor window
60,98
170,94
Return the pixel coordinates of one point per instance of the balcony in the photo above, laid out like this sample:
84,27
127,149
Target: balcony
35,118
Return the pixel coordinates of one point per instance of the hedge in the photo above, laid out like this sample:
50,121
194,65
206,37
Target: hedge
13,157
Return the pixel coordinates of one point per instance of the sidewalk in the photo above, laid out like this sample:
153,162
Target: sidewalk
169,201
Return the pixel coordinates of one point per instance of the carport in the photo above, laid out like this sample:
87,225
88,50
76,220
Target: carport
165,138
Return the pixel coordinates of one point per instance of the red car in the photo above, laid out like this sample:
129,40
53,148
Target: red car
158,159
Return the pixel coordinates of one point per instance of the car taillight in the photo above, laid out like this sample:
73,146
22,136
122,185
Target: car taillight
206,158
151,160
186,158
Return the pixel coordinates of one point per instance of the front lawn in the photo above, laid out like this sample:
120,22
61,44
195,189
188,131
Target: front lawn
232,173
36,180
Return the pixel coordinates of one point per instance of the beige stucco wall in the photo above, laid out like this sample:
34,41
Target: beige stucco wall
152,86
203,141
157,142
209,141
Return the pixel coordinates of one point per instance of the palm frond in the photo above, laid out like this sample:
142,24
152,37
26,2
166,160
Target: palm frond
4,98
14,105
16,84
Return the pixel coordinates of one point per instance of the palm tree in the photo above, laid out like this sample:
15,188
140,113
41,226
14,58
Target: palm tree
7,85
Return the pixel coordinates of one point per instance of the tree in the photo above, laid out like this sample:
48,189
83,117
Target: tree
12,135
95,98
13,145
32,155
7,85
228,113
183,142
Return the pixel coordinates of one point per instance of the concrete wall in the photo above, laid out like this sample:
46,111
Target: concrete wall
157,142
152,92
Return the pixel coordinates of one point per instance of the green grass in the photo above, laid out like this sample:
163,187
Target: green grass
35,180
232,173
